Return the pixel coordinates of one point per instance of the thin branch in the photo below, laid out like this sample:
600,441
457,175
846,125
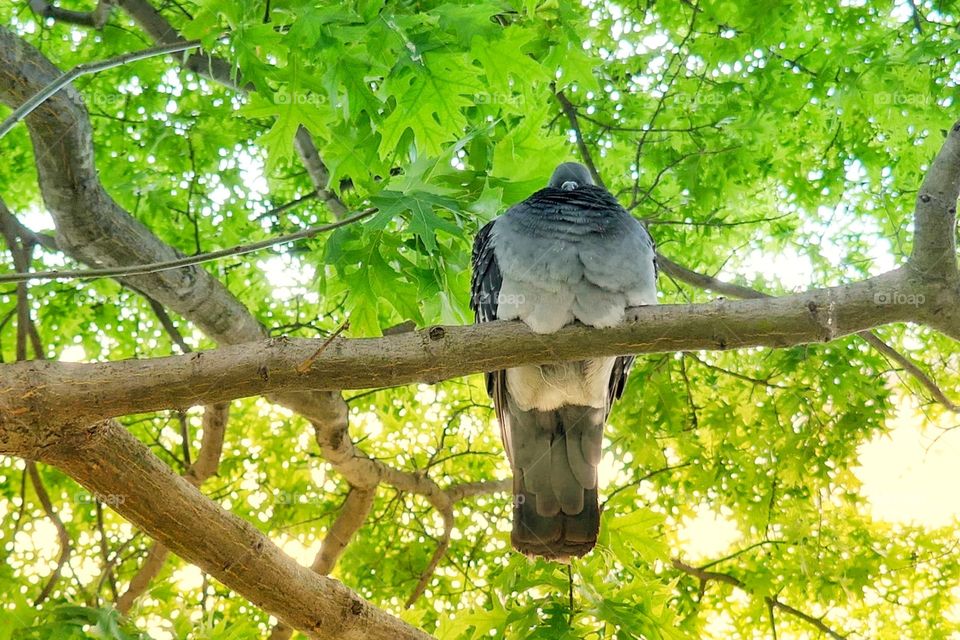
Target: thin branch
915,15
226,74
66,545
104,554
706,576
571,112
85,69
356,507
140,583
304,366
446,513
167,323
913,369
95,18
739,376
155,267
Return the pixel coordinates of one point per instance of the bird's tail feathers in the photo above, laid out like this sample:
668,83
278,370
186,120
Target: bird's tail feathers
556,511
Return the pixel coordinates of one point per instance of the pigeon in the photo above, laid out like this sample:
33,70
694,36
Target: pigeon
568,253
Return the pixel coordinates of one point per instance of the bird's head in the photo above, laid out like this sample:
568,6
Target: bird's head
570,175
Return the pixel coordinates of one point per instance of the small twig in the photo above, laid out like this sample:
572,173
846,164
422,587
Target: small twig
304,366
154,267
85,69
167,323
65,545
915,15
442,545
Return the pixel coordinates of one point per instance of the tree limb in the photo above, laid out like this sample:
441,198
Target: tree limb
706,576
352,515
214,428
52,393
65,544
935,219
109,461
95,18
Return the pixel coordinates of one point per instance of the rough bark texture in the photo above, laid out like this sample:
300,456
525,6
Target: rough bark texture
104,457
81,393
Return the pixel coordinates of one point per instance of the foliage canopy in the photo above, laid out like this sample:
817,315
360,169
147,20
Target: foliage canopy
778,145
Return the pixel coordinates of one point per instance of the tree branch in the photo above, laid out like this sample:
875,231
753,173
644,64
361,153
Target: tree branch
37,395
706,576
935,220
62,535
187,261
570,111
214,428
109,461
64,79
352,515
95,18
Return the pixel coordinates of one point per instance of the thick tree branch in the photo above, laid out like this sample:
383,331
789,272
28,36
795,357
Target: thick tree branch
352,515
110,462
935,219
52,393
214,428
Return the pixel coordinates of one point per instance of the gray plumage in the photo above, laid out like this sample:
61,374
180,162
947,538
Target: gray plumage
567,253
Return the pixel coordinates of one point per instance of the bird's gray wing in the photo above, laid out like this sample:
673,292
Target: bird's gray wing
623,364
485,284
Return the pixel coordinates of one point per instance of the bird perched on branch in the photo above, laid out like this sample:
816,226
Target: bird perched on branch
567,253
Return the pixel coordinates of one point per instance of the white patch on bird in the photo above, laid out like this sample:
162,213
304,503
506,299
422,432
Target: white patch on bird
552,386
569,185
